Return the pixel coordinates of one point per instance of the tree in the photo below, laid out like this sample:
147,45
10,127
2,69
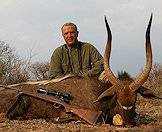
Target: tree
154,80
39,70
12,68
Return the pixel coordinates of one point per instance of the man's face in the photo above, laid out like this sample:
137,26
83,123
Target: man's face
70,35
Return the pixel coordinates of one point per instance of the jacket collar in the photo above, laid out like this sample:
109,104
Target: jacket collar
75,46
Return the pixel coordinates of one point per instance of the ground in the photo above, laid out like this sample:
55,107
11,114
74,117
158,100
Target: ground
149,119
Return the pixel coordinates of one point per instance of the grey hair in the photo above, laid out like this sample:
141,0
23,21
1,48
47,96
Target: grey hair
69,24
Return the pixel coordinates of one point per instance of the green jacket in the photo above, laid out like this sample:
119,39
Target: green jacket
83,59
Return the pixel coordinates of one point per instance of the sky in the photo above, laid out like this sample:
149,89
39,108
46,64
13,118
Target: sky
32,28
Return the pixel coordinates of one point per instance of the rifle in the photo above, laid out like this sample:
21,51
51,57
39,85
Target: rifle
90,116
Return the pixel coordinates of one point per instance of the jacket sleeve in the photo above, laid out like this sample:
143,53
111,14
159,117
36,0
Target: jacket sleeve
96,62
55,70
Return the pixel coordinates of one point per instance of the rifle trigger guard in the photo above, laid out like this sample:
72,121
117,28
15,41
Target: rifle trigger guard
56,105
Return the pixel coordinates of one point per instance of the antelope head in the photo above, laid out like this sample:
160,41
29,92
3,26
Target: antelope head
124,93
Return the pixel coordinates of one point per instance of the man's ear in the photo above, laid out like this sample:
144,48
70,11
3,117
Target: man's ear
77,33
148,93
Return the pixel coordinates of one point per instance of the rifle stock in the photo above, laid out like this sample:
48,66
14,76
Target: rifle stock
90,116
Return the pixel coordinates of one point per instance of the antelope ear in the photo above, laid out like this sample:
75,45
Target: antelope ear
147,93
109,92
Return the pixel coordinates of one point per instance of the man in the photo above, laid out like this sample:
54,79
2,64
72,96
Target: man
75,57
